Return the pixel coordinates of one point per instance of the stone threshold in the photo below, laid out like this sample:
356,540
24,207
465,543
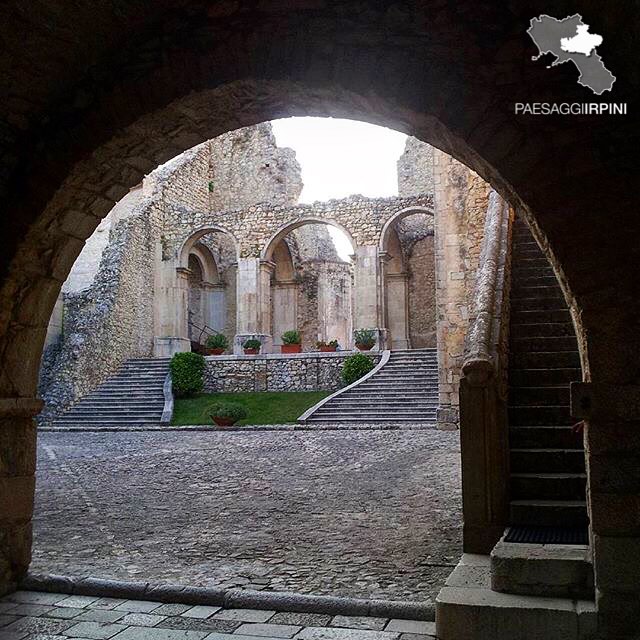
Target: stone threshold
230,598
427,426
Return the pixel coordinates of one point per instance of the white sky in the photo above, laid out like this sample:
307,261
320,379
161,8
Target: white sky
340,158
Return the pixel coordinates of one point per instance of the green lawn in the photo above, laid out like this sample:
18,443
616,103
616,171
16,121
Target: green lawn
263,408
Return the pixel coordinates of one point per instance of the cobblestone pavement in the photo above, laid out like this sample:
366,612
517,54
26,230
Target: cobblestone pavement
55,616
368,514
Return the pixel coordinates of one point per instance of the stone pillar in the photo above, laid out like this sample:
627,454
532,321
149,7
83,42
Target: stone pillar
171,310
397,291
285,308
612,447
367,299
214,305
253,303
17,487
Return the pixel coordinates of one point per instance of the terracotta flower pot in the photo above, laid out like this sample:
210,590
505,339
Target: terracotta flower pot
328,349
215,352
224,422
251,352
364,347
291,348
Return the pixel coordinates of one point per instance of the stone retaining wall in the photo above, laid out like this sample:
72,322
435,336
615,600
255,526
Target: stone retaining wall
299,372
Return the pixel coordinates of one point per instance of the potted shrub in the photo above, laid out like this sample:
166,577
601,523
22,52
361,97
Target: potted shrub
225,414
291,342
364,339
217,344
251,346
327,347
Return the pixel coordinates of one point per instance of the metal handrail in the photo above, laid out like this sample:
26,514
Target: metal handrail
206,331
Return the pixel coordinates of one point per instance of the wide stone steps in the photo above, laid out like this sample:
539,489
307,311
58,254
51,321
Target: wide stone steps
547,458
132,396
405,390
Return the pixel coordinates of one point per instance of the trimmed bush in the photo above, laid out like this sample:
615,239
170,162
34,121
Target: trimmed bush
355,367
217,341
291,337
187,370
231,410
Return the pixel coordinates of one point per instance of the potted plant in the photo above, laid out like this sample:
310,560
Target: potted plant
217,344
225,414
364,339
251,346
326,347
291,342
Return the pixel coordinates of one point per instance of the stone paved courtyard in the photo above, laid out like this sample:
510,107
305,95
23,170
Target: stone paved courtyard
355,513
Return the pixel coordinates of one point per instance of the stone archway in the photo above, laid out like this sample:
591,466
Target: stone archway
83,126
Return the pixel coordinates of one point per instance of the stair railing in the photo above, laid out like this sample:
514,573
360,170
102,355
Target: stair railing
203,332
483,412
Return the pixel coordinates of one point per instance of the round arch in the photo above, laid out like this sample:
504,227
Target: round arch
207,262
284,230
396,217
191,241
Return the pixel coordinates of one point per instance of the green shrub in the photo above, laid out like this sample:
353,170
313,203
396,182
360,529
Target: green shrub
291,337
331,343
217,341
251,343
231,410
355,367
365,337
187,371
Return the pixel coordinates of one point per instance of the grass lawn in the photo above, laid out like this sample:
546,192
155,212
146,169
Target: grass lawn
263,408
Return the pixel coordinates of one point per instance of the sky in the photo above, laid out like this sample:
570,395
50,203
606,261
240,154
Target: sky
340,158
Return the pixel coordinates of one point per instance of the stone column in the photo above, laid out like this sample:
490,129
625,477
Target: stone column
253,303
214,305
397,291
17,487
367,299
171,310
285,308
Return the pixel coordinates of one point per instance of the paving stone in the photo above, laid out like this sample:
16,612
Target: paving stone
64,613
171,609
30,609
412,626
138,606
35,597
77,601
269,630
106,603
301,619
245,615
355,555
146,633
5,605
142,619
7,619
14,635
417,636
200,611
199,624
101,615
359,622
94,630
224,636
31,625
324,633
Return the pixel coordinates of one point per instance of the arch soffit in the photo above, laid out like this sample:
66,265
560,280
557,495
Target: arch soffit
188,244
396,217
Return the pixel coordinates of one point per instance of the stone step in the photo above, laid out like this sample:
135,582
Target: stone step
545,360
386,396
532,262
105,422
468,609
528,250
543,377
549,303
534,277
548,513
540,316
536,290
359,410
536,396
545,437
544,344
548,486
547,460
549,570
531,416
539,330
374,419
356,405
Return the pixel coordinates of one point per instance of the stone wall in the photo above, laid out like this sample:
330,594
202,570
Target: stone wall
300,372
421,265
415,168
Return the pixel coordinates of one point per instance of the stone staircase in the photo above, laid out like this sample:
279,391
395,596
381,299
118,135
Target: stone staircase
405,389
132,396
547,458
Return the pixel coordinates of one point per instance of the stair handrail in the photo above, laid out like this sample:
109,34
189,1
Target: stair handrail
483,413
204,330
